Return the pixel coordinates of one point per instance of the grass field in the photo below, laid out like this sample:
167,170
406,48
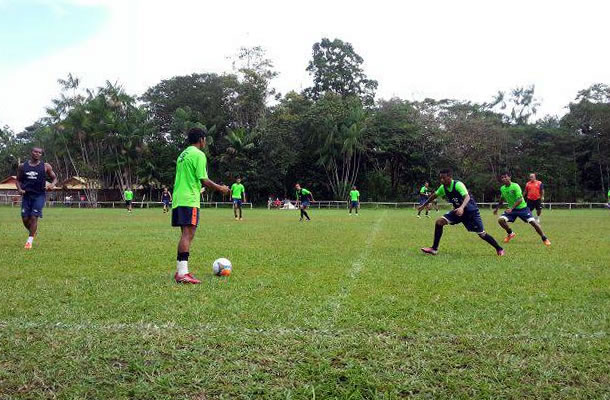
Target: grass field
341,307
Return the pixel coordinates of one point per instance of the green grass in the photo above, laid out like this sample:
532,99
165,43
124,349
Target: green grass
342,307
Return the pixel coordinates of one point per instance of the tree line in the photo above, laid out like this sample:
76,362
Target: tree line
329,136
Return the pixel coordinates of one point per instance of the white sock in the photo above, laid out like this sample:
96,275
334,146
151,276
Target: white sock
182,267
30,239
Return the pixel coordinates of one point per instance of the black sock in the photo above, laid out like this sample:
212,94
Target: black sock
306,215
509,231
183,256
544,238
489,239
301,213
240,213
438,232
426,212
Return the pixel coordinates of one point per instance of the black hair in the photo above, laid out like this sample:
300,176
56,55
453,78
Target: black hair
505,173
446,171
195,135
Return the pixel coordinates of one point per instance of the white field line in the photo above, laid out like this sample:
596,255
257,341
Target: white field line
336,302
151,328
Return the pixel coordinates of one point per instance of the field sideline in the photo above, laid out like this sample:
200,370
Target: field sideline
341,307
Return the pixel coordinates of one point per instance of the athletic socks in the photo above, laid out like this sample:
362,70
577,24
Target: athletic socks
30,239
509,231
438,232
303,212
489,239
182,263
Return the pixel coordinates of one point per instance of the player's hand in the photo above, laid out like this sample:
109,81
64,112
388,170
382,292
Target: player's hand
49,186
459,211
225,189
21,191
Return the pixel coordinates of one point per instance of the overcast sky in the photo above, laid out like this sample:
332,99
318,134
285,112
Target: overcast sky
415,49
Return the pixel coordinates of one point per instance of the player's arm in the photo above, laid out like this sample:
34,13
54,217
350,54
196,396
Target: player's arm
170,195
428,200
243,195
207,182
49,170
19,178
311,197
500,202
519,201
541,192
461,189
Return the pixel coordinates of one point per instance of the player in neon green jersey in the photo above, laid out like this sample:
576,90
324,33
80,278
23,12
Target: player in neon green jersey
608,198
354,196
128,198
512,194
424,193
304,198
191,174
238,194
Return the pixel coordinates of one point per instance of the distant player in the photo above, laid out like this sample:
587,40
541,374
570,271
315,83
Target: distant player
166,199
534,195
128,194
304,199
511,193
31,185
191,173
465,211
424,193
238,194
608,198
354,196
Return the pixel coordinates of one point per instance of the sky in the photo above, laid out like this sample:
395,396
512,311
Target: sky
465,49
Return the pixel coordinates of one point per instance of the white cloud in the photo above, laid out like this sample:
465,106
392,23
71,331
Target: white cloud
442,49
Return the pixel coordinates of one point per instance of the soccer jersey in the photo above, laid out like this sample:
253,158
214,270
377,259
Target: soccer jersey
511,194
303,194
128,195
354,194
424,191
455,194
191,168
32,178
534,190
236,190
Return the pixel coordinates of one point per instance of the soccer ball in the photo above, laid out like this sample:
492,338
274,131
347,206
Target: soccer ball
222,267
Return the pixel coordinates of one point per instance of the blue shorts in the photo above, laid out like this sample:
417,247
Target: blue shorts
166,202
32,204
185,216
237,201
525,214
305,203
422,200
471,220
354,204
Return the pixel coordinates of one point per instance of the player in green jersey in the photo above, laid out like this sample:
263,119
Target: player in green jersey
608,198
304,199
191,174
128,194
512,194
424,193
354,196
465,211
238,194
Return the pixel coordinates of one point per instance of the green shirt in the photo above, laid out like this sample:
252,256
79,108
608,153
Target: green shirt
236,190
354,195
459,187
424,190
608,196
511,194
128,195
303,192
191,168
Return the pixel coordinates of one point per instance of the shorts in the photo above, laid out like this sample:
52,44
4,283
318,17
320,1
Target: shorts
471,220
354,204
237,201
305,203
422,200
32,204
166,202
127,202
525,214
185,216
534,204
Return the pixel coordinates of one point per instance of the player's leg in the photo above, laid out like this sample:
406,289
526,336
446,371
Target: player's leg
428,210
538,210
528,217
438,233
305,213
351,205
489,239
356,207
503,221
187,219
235,209
239,206
473,223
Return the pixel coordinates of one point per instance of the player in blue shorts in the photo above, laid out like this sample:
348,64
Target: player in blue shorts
424,193
511,192
304,198
465,211
166,199
31,185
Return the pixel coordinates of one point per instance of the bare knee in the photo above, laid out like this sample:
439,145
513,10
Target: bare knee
441,222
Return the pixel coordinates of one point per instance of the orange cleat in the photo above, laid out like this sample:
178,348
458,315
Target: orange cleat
28,245
509,237
547,242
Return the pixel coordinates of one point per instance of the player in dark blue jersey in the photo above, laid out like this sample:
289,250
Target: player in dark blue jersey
166,199
32,184
465,211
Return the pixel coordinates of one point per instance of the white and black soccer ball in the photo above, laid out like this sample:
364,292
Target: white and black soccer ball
222,267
